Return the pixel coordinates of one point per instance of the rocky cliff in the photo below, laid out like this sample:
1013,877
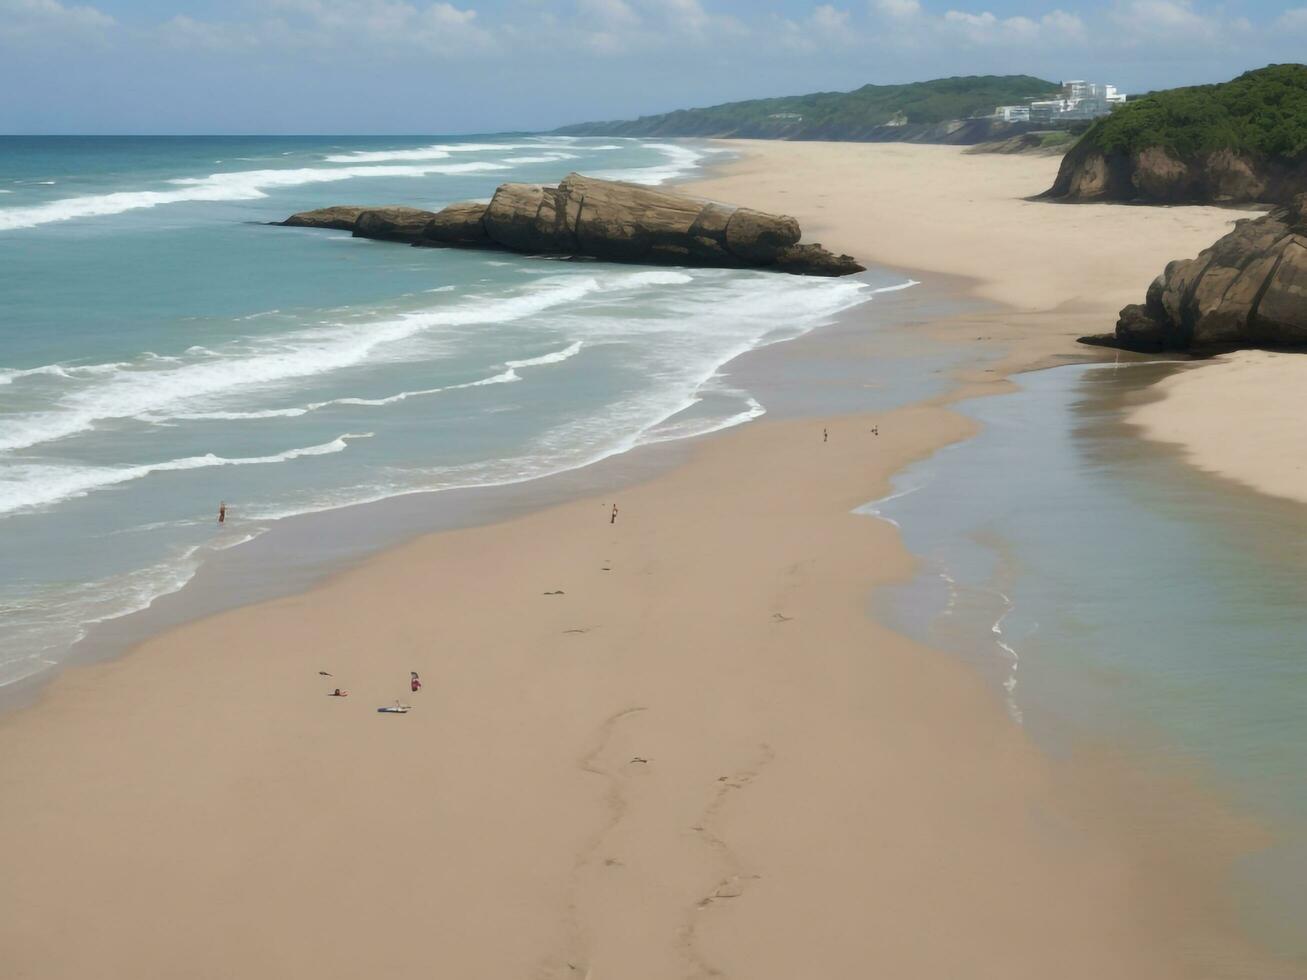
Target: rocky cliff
1244,140
601,219
1158,175
1247,290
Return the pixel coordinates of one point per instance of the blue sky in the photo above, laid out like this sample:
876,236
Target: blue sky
447,66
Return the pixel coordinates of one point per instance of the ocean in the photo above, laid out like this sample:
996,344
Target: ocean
162,350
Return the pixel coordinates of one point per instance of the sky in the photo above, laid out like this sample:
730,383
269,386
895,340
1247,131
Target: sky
461,66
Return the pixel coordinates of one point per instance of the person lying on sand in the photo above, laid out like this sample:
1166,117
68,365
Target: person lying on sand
338,693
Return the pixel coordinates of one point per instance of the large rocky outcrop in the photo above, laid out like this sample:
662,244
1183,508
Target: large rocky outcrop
602,219
1156,175
1248,290
397,224
341,217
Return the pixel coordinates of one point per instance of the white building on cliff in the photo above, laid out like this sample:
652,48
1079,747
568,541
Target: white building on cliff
1077,100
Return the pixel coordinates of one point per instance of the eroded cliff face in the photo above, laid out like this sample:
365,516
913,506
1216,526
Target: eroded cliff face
1155,175
599,218
1248,290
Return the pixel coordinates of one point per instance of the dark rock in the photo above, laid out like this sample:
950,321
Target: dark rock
632,223
341,217
601,219
1249,289
813,260
529,218
1138,330
398,224
1280,317
1155,175
458,224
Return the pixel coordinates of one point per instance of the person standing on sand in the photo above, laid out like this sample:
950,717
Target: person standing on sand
414,684
613,517
825,436
222,512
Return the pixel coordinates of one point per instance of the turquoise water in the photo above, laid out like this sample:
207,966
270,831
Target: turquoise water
163,349
1111,592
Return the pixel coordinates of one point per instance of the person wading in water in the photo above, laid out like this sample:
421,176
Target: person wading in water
222,512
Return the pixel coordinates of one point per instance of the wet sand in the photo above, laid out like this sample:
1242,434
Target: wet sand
1236,416
674,745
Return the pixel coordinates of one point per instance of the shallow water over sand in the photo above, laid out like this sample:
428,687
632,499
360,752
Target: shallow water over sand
1113,593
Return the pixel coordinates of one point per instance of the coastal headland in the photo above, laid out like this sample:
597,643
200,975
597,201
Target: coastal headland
669,744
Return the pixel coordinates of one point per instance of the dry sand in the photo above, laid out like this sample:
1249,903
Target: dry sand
702,758
1238,416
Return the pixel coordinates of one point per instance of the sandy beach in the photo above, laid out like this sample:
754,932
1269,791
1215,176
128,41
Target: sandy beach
1258,445
671,746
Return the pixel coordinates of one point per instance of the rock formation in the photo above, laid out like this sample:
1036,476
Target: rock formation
602,219
1247,290
1157,176
341,217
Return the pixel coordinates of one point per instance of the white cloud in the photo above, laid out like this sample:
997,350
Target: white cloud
985,28
687,16
1169,19
617,13
49,20
438,28
897,9
911,26
1063,26
1293,20
829,19
825,27
690,20
607,26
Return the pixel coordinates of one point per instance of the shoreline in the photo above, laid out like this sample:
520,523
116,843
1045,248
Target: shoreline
692,660
322,544
1257,448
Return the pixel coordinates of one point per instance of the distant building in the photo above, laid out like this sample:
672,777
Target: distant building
1079,100
786,115
1047,110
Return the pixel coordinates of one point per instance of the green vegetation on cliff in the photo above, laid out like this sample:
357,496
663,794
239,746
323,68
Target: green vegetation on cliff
835,115
1262,112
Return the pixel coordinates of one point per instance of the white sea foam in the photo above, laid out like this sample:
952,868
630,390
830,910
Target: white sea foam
504,377
898,286
10,375
542,158
666,431
746,311
658,277
678,161
679,331
136,392
64,616
27,485
437,151
553,357
242,185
